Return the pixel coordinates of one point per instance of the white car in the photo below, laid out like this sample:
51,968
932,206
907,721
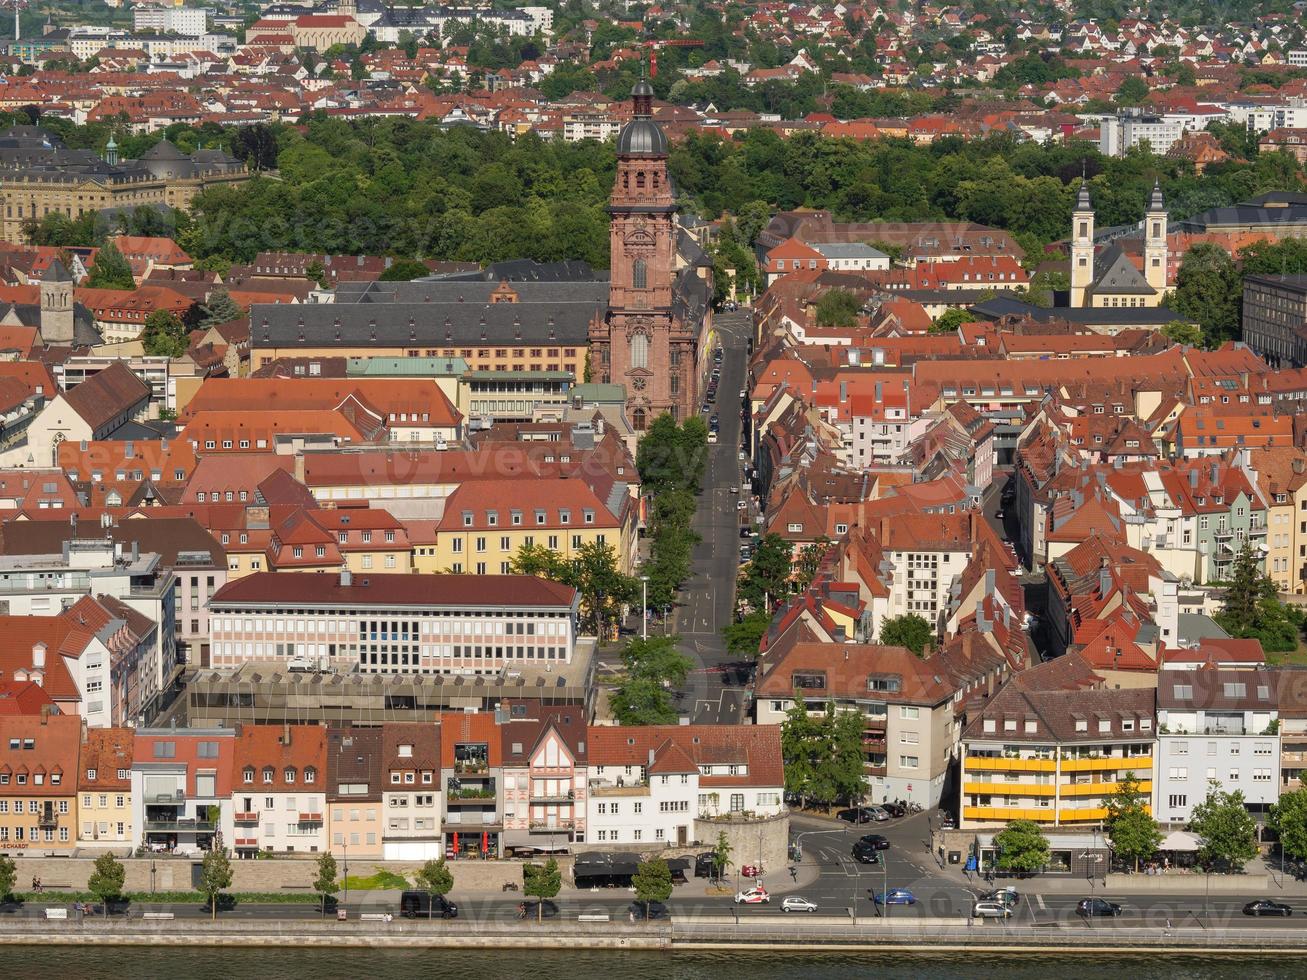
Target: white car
735,489
741,505
990,910
752,896
797,903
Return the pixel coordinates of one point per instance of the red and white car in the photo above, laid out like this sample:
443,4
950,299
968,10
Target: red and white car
752,896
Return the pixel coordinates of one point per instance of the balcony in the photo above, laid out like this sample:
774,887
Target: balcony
628,786
247,842
1137,763
247,816
545,826
1005,813
1086,814
874,770
166,799
1100,789
482,789
563,797
1009,789
1000,764
1223,533
310,818
48,820
180,826
471,766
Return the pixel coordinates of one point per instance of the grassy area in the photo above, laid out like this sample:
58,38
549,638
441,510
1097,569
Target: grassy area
1297,658
382,880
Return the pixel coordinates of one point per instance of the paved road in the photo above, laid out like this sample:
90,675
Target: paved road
714,691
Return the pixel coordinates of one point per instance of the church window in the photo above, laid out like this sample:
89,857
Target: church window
637,420
640,351
639,180
639,274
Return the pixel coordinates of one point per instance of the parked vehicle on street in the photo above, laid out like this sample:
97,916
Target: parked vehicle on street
856,814
894,809
415,904
752,896
1098,908
1266,906
990,910
797,903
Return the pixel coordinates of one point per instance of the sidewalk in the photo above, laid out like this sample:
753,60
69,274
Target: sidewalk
1258,879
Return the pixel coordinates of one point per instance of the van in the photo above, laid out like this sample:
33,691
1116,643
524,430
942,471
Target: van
414,904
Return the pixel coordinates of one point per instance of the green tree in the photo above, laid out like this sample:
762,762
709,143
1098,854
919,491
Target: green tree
1208,290
837,308
652,882
721,857
1021,846
1252,609
404,270
1227,833
164,334
110,270
767,578
651,668
325,884
823,755
541,882
809,560
909,630
744,636
106,880
1132,91
1182,332
215,877
434,878
949,321
1133,831
1288,820
220,308
8,876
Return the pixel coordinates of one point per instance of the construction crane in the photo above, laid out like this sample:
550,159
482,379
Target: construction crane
18,7
654,45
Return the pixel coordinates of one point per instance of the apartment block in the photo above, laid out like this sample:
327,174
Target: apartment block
1054,757
278,802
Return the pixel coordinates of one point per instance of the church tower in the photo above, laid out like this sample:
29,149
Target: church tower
56,327
640,343
1155,252
1082,246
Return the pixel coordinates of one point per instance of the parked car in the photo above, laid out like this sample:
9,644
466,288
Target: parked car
878,841
856,814
946,821
893,809
746,552
741,504
703,865
414,904
985,909
657,910
797,903
879,814
752,896
746,531
1098,907
895,896
1265,906
528,909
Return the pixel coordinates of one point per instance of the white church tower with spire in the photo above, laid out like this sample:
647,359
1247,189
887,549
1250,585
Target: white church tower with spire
1082,246
1155,250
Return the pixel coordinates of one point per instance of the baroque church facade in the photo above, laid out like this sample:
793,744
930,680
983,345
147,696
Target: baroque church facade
1107,277
649,341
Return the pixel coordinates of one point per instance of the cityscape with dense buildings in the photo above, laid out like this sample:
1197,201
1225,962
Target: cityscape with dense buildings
583,463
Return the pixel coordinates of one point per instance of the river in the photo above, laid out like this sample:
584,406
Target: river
199,963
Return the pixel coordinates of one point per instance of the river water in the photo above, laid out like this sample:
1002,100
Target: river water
74,963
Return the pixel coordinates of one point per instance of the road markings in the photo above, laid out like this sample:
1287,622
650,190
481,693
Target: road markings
1042,906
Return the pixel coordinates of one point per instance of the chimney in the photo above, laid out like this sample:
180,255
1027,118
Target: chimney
651,757
285,733
46,711
1104,579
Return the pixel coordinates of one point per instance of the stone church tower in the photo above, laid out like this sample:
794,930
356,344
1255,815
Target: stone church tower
57,326
641,344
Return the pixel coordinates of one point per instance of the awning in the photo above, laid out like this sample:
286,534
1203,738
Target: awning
1179,840
678,864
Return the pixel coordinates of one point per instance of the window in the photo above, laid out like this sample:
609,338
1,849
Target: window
1178,801
908,761
909,713
289,775
248,774
640,274
267,775
639,350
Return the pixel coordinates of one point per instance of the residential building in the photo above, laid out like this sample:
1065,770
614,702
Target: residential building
1054,756
38,782
545,775
104,815
94,409
910,732
471,757
279,790
411,792
660,785
354,792
392,623
1217,726
182,787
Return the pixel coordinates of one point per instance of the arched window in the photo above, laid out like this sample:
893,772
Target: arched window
639,180
639,274
637,420
639,351
289,775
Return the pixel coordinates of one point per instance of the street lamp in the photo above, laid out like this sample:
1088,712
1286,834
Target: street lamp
644,607
344,847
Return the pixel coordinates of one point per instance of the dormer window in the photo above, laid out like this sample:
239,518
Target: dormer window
247,775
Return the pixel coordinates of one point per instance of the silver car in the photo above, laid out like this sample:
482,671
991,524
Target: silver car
797,903
990,910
